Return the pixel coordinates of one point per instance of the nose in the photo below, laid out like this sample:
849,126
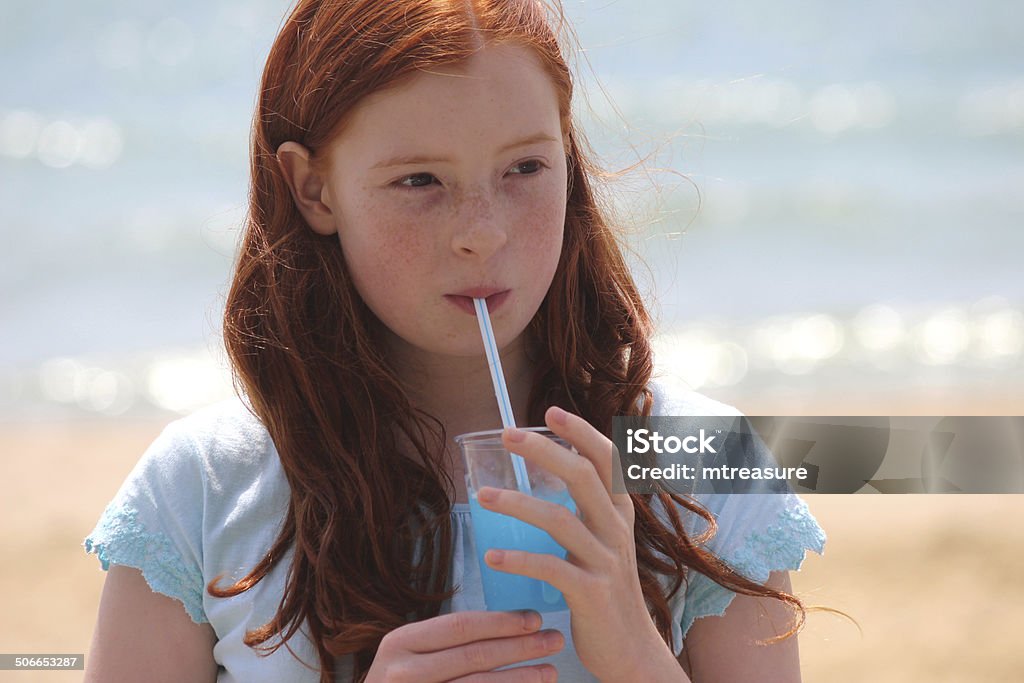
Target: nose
479,230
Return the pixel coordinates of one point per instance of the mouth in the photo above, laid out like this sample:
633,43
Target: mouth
464,300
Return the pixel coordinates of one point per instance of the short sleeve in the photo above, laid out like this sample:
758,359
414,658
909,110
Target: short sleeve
155,521
757,534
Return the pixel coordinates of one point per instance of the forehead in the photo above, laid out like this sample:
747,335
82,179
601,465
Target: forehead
499,94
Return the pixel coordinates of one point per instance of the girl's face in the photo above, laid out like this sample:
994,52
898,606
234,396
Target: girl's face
448,186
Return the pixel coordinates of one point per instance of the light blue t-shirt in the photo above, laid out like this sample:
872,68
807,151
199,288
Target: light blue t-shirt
209,496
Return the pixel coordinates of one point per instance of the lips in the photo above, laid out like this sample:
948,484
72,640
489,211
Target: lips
464,300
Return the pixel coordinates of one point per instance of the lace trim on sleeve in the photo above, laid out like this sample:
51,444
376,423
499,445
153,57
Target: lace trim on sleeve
119,538
780,546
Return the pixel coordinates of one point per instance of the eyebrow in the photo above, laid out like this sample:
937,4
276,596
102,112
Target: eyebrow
404,160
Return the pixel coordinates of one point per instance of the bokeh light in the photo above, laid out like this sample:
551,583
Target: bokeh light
19,130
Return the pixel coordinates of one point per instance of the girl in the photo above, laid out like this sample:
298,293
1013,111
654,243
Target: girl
407,157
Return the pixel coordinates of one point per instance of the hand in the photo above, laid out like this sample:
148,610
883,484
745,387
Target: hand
465,647
613,632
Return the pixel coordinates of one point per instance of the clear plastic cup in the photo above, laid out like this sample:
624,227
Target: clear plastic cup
488,463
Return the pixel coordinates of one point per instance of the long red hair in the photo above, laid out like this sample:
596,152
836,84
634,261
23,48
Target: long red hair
371,526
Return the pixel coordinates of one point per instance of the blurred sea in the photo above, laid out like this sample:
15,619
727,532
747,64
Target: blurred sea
839,194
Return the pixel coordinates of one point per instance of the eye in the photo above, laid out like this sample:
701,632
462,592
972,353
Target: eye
417,180
530,167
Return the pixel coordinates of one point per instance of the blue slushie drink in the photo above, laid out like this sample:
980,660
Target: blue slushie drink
489,464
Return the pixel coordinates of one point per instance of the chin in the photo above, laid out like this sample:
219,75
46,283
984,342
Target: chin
471,347
464,342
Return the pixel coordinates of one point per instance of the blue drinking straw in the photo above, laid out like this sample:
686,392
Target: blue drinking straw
500,390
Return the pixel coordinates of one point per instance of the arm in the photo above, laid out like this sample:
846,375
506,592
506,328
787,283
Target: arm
144,635
723,649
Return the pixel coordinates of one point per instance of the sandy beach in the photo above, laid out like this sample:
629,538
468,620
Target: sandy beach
932,581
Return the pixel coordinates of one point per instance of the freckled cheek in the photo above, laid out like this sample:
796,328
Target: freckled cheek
385,253
541,222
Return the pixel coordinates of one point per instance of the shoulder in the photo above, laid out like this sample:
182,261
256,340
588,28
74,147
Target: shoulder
222,437
224,427
672,396
200,463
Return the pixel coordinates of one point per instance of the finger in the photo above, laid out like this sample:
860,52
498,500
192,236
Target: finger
565,576
486,655
559,521
578,473
544,673
459,628
590,443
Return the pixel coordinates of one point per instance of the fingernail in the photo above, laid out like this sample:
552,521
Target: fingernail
558,415
495,556
487,495
553,641
548,675
515,435
532,620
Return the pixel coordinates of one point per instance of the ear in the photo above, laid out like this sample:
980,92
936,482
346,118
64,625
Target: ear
308,187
